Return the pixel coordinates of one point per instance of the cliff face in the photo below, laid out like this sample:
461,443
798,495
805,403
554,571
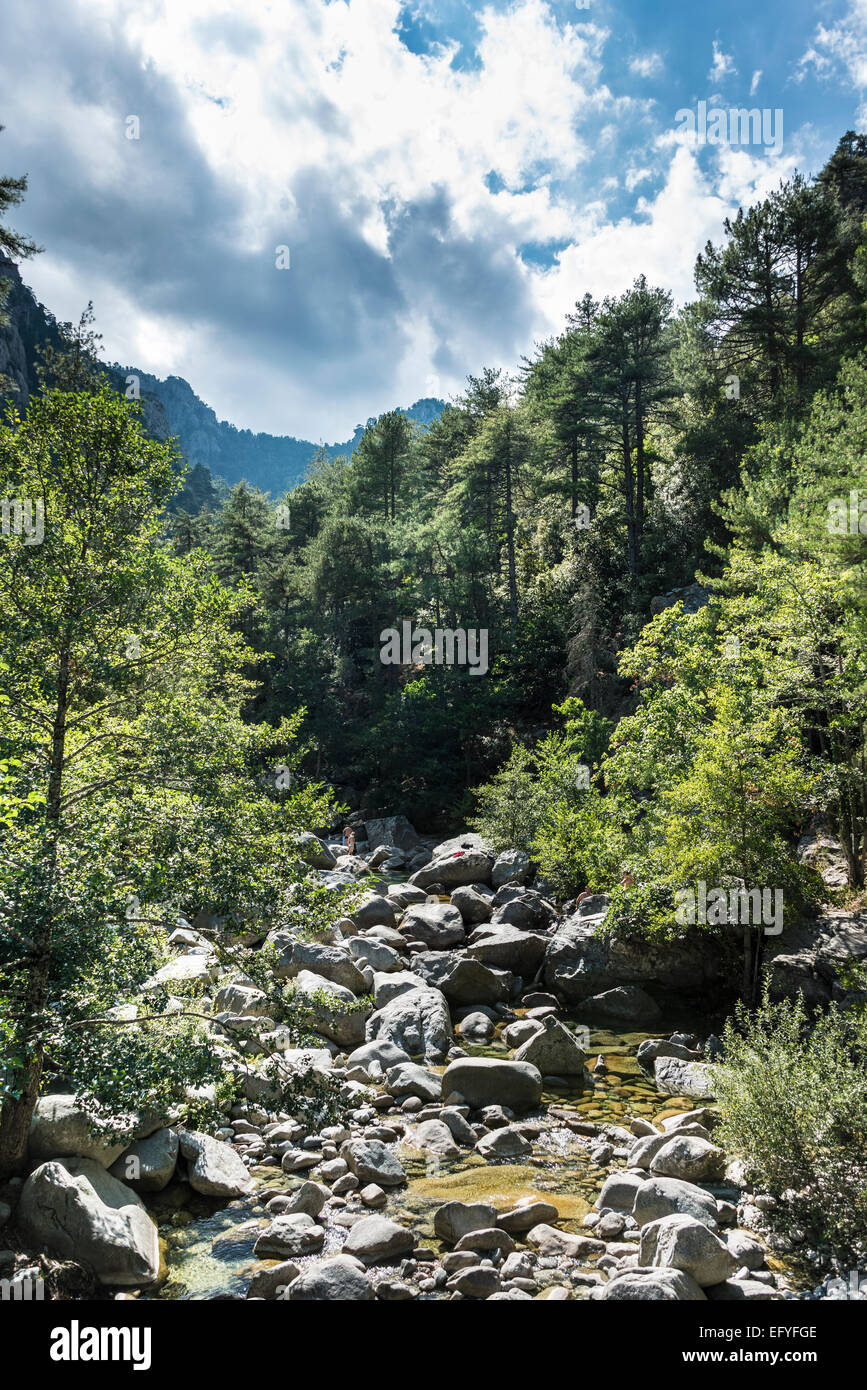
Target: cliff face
171,407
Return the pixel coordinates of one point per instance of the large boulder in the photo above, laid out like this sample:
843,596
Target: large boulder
418,1023
73,1209
377,1239
391,830
314,852
372,1161
507,948
465,859
437,925
62,1127
512,866
628,1005
487,1081
344,1028
433,1136
680,1242
403,895
290,1236
454,1220
374,911
215,1169
337,1280
328,962
656,1285
554,1050
381,957
244,1000
409,1079
656,1197
388,985
474,902
690,1158
148,1165
676,1078
462,979
381,1050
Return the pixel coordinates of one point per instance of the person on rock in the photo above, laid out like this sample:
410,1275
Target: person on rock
349,839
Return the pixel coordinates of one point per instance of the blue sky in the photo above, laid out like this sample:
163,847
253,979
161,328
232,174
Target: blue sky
449,177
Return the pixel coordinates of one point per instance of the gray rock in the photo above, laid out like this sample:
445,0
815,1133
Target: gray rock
474,906
215,1169
241,999
478,1027
689,1158
743,1291
292,1235
377,1239
504,1143
554,1050
454,1220
437,925
468,981
487,1081
405,894
433,1136
514,1034
148,1165
61,1127
657,1197
326,962
660,1285
347,1029
380,1050
314,852
392,830
512,866
390,985
476,1282
379,956
676,1078
524,1217
507,948
465,859
309,1198
461,1131
268,1283
409,1079
620,1192
371,1161
746,1250
73,1209
623,1004
681,1242
335,1280
374,911
418,1022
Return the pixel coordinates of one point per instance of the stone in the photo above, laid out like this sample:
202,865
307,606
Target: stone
409,1079
403,895
660,1285
437,925
392,830
680,1242
418,1022
291,1235
624,1004
620,1192
241,999
464,859
454,1220
659,1197
74,1210
487,1081
432,1136
379,956
380,1050
61,1127
374,911
335,1280
487,1239
468,981
373,1196
330,963
477,1282
518,1032
473,905
268,1283
194,969
689,1158
507,948
746,1250
525,1216
549,1241
461,1131
389,985
311,849
215,1169
148,1165
676,1078
504,1143
309,1198
512,866
371,1161
478,1027
377,1239
347,1029
554,1050
743,1291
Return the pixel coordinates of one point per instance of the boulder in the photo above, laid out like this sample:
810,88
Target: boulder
270,1283
434,1136
620,1192
680,1242
468,981
405,894
329,963
374,911
347,1029
371,1161
215,1169
379,956
687,1157
488,1081
549,1241
676,1078
418,1023
392,830
290,1236
507,948
381,1050
241,999
507,1142
526,1215
512,866
657,1197
61,1127
148,1165
554,1050
388,985
409,1079
377,1239
454,1220
658,1285
743,1291
73,1209
336,1280
191,969
312,850
626,1004
466,859
474,905
437,925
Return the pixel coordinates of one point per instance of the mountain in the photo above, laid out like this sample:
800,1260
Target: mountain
212,448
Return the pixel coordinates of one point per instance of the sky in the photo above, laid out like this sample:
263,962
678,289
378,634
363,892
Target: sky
445,179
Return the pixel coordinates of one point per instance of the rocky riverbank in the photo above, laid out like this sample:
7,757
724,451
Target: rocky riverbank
499,1141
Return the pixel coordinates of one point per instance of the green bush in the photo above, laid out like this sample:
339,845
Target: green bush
793,1097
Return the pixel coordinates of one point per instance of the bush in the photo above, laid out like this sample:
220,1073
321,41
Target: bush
793,1097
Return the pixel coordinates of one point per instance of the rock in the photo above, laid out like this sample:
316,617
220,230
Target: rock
191,969
743,1291
309,1198
242,999
215,1169
745,1249
518,1032
377,1239
693,1160
409,1079
266,1283
512,866
380,957
488,1239
681,1242
676,1078
329,963
390,985
549,1241
73,1209
461,1131
313,851
374,911
379,1050
651,1048
433,1136
478,1027
148,1165
405,894
660,1285
553,1050
437,925
347,1029
474,905
524,1217
373,1196
624,1004
504,1143
61,1127
476,1282
418,1022
468,981
392,830
620,1192
454,1220
487,1081
465,859
507,948
292,1235
335,1280
658,1197
371,1161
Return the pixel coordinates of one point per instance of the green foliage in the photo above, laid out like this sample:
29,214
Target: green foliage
793,1100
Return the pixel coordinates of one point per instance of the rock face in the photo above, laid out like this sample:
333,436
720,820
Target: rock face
215,1168
60,1128
554,1050
392,830
436,925
75,1210
418,1023
487,1081
148,1165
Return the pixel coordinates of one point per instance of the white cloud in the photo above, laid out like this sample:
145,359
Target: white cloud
754,85
722,65
841,48
646,65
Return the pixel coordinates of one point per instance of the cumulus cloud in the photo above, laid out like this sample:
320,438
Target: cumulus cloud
841,49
